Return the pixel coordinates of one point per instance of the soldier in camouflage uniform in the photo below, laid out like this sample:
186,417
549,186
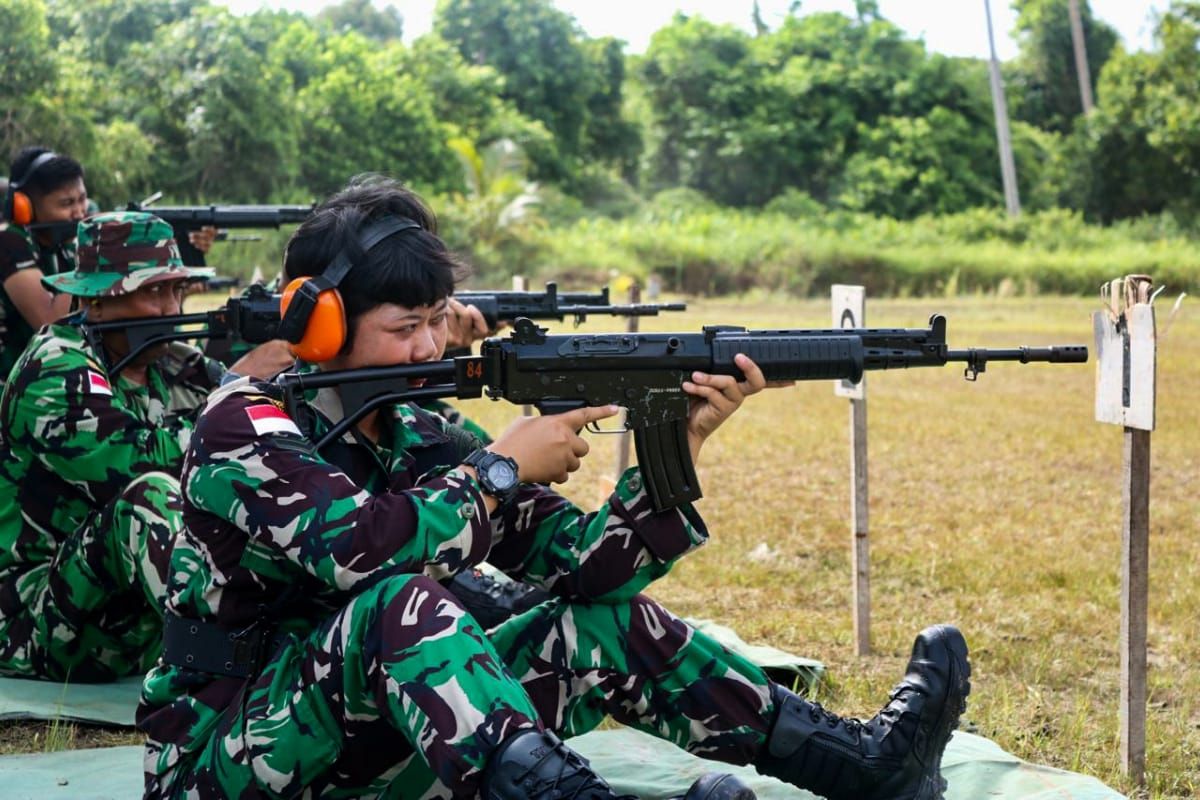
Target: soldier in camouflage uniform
89,496
311,649
57,192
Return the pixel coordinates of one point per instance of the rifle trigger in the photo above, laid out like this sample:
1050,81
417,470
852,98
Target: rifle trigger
594,427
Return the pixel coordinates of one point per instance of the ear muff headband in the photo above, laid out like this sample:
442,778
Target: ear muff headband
18,207
313,316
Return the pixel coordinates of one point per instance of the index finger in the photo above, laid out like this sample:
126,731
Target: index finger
582,416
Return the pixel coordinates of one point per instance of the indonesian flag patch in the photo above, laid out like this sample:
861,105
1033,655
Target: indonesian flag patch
98,384
268,418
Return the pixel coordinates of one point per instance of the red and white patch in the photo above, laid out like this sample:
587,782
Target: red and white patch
268,418
98,384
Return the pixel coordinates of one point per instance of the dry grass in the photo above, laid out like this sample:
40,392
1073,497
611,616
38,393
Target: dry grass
994,505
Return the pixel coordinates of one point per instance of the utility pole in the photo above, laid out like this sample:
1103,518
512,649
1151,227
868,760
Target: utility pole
1081,62
1008,170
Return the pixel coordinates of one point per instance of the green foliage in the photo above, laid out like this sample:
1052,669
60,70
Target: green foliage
1043,78
1144,138
206,92
702,249
742,119
551,74
27,71
382,24
359,92
907,166
537,49
105,30
835,124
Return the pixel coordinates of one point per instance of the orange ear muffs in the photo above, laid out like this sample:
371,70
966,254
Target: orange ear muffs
325,332
17,205
21,212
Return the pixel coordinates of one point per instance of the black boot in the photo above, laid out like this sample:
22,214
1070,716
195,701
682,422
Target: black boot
536,765
896,755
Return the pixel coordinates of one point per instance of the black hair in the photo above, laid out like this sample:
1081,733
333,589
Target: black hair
412,268
53,175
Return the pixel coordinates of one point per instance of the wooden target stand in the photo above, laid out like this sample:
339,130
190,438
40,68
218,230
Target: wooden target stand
850,311
1126,348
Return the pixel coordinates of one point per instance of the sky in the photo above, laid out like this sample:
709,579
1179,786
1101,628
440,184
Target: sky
952,27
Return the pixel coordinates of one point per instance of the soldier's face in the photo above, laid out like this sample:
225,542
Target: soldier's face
65,204
153,300
392,334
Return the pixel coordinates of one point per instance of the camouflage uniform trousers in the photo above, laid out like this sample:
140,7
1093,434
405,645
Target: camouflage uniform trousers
94,613
337,713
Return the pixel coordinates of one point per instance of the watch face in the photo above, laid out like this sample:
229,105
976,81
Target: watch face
501,475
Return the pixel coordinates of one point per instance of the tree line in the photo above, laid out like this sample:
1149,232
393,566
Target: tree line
824,111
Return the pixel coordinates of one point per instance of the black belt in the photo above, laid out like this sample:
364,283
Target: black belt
215,649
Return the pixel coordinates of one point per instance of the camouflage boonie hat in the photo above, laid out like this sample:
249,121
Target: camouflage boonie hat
121,251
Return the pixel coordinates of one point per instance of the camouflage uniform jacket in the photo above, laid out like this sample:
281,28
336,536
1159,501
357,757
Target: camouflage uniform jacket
72,437
276,535
18,251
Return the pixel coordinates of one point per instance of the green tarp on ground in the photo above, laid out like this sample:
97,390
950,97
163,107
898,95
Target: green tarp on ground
976,768
105,703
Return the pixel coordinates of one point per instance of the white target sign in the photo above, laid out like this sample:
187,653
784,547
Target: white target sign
849,311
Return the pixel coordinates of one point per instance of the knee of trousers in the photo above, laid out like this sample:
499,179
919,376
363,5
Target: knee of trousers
409,596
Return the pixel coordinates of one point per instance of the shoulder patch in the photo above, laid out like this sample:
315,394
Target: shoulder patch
269,418
98,384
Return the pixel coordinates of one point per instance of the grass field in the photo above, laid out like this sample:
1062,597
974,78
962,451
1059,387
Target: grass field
994,505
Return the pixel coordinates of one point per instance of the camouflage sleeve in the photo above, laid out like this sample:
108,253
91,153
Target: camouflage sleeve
610,554
66,414
250,466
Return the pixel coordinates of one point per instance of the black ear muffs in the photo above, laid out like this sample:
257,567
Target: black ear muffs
313,316
18,206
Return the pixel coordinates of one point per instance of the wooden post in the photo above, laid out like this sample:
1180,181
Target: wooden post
1135,601
623,443
1125,387
849,311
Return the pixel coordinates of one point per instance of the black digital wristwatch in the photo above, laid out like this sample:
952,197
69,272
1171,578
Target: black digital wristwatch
497,474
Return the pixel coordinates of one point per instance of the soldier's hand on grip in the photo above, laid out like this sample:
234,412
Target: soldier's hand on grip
548,449
464,325
716,397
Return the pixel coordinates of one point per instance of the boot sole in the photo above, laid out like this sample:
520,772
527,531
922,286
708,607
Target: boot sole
933,786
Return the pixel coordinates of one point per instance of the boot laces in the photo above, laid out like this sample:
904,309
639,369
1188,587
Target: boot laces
818,714
572,769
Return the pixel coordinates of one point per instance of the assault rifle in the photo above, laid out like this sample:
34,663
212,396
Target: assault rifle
644,372
191,218
505,306
253,318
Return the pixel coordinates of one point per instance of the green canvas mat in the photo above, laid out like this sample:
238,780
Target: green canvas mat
976,768
105,703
